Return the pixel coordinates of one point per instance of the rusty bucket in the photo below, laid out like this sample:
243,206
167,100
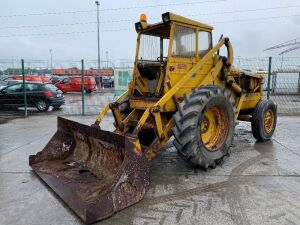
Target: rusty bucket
95,172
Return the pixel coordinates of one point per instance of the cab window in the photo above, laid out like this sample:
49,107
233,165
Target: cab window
184,43
204,43
150,47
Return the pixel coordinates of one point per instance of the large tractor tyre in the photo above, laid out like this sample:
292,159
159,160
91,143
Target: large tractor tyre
204,126
264,120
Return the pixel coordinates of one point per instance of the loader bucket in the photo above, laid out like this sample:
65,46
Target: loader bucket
95,172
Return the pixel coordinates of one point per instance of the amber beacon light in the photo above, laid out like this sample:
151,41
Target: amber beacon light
143,18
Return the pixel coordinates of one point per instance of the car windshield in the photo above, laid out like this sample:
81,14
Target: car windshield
50,87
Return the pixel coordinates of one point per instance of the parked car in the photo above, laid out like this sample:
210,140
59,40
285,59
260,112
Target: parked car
39,95
107,82
3,84
55,79
45,79
6,83
32,78
74,84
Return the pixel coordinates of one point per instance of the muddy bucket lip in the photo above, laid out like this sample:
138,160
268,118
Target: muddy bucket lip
64,193
88,213
105,203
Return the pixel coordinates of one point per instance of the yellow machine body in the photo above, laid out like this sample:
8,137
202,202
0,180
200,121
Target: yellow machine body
97,172
176,76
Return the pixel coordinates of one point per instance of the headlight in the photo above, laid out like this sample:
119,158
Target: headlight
166,17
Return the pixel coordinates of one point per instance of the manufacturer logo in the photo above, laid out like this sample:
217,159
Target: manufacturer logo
181,66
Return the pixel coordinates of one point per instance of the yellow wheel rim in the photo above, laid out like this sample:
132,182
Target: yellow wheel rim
214,128
269,121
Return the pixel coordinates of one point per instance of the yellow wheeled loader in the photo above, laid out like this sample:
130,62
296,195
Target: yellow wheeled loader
181,86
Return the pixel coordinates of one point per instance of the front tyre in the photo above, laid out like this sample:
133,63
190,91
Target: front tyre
204,126
264,120
42,105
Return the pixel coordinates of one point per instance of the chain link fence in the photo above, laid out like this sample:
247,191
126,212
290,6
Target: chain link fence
284,77
86,90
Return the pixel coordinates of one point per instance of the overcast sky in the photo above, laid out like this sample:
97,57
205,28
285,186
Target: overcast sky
249,33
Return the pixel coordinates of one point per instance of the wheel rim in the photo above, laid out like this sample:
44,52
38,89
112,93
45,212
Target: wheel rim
42,105
269,121
214,128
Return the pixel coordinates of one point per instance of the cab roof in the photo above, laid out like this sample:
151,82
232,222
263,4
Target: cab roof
181,19
164,28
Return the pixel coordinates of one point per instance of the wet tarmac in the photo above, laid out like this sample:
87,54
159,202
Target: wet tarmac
258,184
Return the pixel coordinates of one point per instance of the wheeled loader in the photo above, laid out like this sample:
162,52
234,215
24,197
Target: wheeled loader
181,87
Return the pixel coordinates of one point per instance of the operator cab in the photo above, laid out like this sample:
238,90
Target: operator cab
173,45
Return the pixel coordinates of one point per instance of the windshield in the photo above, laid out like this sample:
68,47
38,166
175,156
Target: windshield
50,87
150,47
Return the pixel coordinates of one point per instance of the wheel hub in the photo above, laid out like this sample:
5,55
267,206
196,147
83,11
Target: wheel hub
204,125
41,104
214,128
269,120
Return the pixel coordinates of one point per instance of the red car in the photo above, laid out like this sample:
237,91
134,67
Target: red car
73,84
30,78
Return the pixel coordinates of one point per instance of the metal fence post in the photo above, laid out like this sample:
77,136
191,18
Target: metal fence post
298,83
24,87
269,77
82,86
274,82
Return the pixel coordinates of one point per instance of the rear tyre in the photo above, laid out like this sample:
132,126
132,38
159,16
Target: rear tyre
264,120
42,105
204,126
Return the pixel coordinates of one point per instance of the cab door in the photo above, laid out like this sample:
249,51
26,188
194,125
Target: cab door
204,45
182,56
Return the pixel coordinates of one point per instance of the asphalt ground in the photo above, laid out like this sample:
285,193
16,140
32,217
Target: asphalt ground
258,184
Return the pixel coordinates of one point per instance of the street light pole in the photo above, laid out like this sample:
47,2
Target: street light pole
51,61
98,29
106,59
